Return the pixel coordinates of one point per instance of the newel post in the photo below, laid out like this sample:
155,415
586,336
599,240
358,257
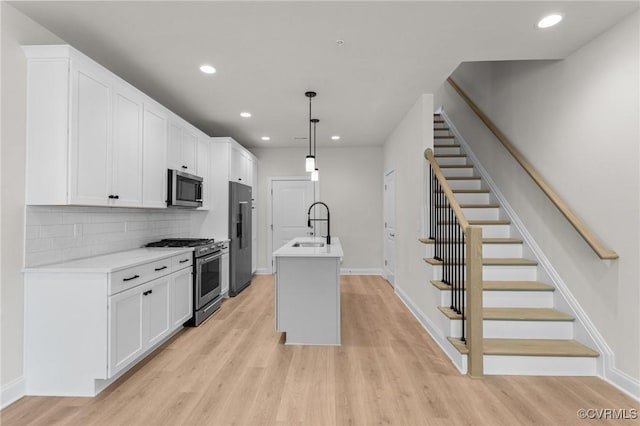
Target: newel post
473,256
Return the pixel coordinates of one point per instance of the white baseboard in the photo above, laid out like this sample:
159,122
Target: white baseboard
12,391
262,271
608,372
457,359
360,271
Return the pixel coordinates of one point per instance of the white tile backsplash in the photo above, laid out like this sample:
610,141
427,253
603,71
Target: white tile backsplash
60,233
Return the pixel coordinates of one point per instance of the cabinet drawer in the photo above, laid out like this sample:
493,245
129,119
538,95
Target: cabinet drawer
131,277
182,261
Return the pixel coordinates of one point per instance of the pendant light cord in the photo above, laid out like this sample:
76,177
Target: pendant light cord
310,125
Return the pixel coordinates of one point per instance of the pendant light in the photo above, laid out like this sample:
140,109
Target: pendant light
310,162
315,172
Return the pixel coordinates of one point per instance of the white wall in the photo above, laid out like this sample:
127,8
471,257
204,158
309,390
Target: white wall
404,153
351,185
16,30
577,121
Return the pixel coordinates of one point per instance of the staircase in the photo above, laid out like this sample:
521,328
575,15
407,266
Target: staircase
524,333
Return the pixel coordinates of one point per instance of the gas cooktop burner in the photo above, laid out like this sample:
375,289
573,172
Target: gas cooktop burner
181,242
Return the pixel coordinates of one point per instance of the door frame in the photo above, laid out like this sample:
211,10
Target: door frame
270,211
384,219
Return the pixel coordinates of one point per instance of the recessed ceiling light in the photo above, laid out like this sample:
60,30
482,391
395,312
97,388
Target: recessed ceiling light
549,21
335,138
265,138
207,69
245,114
340,42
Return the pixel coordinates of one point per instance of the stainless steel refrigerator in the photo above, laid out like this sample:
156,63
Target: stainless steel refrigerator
240,236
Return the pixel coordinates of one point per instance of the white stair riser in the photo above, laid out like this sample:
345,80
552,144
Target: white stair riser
502,250
443,161
489,250
492,329
466,171
440,130
465,198
465,184
452,150
509,273
481,213
443,141
539,365
488,231
498,273
511,299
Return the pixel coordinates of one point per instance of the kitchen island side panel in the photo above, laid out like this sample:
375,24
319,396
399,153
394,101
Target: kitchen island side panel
308,300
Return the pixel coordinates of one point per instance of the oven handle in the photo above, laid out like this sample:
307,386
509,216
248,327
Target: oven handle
210,258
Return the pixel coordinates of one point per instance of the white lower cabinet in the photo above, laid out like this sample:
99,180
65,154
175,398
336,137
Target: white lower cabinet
85,325
182,297
139,318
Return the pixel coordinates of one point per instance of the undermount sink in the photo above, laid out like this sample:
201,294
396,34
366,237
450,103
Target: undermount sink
308,245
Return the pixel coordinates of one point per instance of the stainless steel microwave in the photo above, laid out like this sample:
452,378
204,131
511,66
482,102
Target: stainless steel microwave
184,189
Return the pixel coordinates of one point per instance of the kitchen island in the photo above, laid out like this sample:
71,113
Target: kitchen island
307,293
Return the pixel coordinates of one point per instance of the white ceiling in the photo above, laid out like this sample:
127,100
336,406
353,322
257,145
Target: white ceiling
269,53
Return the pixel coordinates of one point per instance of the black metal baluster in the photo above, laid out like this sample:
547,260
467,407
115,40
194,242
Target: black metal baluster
464,286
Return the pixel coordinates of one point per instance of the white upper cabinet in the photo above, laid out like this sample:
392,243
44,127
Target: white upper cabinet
238,165
90,135
93,139
204,169
126,178
241,165
154,154
183,147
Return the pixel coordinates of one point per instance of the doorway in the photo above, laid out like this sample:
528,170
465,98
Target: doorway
390,227
290,201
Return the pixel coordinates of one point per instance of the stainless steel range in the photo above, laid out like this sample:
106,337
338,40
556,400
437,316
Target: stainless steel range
207,273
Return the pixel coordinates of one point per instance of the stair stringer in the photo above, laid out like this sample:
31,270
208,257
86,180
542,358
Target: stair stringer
585,330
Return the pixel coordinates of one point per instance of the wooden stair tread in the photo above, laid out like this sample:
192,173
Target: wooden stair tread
490,261
481,222
503,286
456,166
530,347
440,128
473,206
467,191
450,155
514,314
484,241
464,178
446,145
444,137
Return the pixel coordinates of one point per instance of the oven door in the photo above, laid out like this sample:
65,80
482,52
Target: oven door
208,278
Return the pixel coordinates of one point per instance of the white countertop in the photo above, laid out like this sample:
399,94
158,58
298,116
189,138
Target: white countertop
332,250
112,262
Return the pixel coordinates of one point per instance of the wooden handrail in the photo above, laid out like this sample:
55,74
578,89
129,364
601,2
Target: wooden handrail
473,273
428,154
573,219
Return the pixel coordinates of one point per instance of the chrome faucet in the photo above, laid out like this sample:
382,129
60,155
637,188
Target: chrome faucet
328,219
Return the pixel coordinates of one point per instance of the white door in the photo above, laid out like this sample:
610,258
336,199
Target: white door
290,201
390,226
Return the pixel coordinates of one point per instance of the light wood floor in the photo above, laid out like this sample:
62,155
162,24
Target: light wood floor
234,369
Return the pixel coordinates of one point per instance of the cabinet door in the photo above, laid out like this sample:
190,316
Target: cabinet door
204,167
174,146
90,151
157,310
127,149
126,341
237,169
224,286
154,151
181,297
189,150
